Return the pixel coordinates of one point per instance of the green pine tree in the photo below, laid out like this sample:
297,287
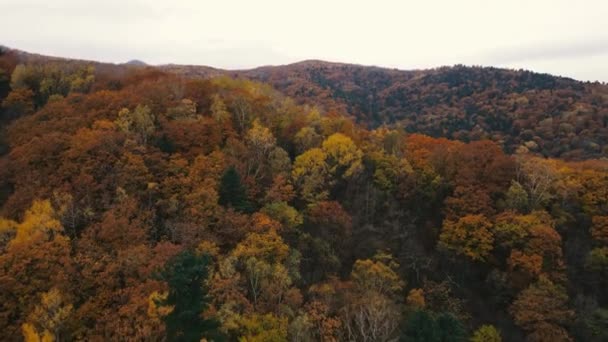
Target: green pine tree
450,328
185,275
425,326
421,327
232,192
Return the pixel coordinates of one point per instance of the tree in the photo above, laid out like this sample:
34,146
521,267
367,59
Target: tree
486,333
267,246
542,310
140,122
279,161
263,328
185,110
537,176
370,317
343,156
469,236
8,230
82,79
268,268
517,197
329,221
597,325
597,261
371,312
218,109
531,246
260,139
48,79
511,230
450,328
281,190
389,170
482,164
25,76
325,326
36,260
424,326
47,320
306,139
415,299
232,192
4,82
19,102
39,221
300,328
438,297
185,275
377,276
468,200
421,327
599,229
260,143
284,213
321,259
310,174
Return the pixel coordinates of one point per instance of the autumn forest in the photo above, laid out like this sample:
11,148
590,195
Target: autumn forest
307,202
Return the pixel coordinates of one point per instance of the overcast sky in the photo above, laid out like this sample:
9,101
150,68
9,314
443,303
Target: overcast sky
562,37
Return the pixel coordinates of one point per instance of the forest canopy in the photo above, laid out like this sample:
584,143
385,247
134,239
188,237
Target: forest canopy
139,204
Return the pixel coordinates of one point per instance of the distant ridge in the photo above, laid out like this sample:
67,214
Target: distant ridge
551,115
136,62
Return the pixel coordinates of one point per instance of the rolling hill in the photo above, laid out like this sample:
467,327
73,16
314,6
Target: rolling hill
519,109
163,203
550,115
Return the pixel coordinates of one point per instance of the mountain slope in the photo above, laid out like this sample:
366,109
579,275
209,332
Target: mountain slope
125,188
551,115
545,114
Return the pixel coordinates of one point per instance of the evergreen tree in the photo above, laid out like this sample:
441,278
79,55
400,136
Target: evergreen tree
450,328
232,192
425,326
185,274
421,327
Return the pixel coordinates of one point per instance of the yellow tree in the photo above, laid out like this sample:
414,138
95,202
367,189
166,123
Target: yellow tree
35,260
376,275
139,122
39,221
371,312
415,299
310,174
260,142
263,328
219,112
306,139
469,236
45,322
343,156
265,263
486,333
338,158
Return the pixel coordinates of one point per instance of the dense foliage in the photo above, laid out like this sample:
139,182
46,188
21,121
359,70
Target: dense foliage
146,206
553,116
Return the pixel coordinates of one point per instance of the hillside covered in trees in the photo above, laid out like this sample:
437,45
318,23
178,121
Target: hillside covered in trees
138,204
552,116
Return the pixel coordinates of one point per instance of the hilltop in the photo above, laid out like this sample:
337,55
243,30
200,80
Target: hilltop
308,202
519,109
